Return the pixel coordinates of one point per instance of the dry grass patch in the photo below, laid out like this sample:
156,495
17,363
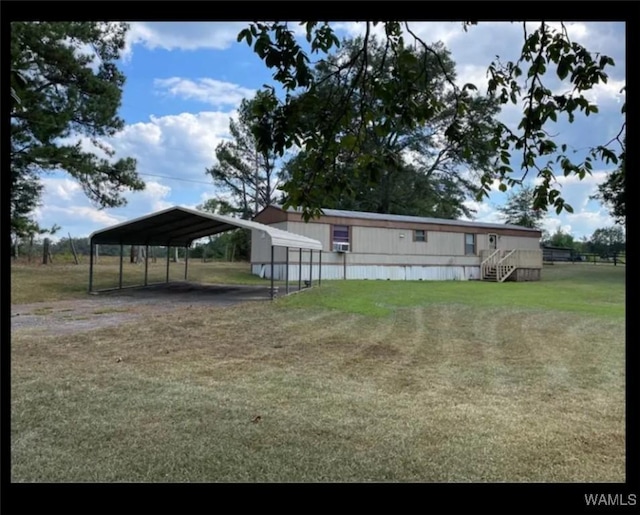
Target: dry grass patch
428,393
42,283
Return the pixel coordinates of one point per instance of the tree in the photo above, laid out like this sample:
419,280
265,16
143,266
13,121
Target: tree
523,80
248,174
612,193
230,245
404,168
560,239
65,86
520,209
607,241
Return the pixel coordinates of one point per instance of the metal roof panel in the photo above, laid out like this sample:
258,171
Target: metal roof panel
179,226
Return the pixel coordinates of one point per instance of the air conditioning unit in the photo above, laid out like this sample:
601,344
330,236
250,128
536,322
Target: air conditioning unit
340,246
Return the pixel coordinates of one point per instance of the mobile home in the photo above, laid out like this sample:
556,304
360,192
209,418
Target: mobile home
362,245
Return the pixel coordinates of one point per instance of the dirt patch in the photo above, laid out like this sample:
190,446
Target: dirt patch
120,307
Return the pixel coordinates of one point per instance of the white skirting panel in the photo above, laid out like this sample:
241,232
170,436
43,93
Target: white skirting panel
373,272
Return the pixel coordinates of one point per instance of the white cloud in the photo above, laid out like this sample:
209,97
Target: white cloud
87,213
210,91
475,74
611,91
551,226
180,146
154,194
64,189
484,212
428,32
182,35
584,223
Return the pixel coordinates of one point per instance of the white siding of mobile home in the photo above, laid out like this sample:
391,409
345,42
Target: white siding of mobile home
382,253
410,273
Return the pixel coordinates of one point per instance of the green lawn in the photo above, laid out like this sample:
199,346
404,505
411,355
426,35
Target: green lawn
586,289
353,382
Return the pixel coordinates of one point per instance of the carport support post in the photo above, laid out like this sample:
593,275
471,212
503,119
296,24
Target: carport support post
320,269
310,267
300,270
271,272
168,260
90,267
121,257
286,273
186,262
146,265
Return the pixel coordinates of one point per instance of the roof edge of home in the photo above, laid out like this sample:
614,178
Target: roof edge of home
367,215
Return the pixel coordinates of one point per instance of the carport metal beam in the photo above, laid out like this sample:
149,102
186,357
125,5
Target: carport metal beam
272,254
90,267
186,262
300,270
168,260
121,258
286,273
146,265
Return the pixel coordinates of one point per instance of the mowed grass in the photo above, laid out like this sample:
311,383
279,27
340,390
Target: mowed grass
583,289
46,283
464,383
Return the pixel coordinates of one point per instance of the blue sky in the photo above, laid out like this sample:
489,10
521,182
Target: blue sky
185,79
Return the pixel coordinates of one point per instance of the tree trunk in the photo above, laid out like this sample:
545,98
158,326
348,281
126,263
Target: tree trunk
73,250
15,245
175,254
45,252
30,247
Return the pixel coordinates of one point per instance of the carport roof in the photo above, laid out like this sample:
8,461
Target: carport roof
179,226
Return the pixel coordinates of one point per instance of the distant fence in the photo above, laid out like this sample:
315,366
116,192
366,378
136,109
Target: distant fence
587,257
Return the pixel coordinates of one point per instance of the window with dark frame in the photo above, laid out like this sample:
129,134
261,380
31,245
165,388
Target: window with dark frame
469,244
419,235
340,234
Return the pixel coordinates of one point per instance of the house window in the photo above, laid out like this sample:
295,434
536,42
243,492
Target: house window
419,235
470,244
341,233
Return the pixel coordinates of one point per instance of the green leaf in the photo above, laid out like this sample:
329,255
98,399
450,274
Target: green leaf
244,34
563,68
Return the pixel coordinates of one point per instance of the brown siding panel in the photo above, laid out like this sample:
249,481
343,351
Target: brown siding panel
270,215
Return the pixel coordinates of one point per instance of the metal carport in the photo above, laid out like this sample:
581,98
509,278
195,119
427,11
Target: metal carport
180,226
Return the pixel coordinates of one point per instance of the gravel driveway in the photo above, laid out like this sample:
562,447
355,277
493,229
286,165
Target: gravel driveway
118,307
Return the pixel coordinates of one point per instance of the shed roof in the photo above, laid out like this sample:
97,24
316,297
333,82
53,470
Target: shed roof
366,215
179,226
